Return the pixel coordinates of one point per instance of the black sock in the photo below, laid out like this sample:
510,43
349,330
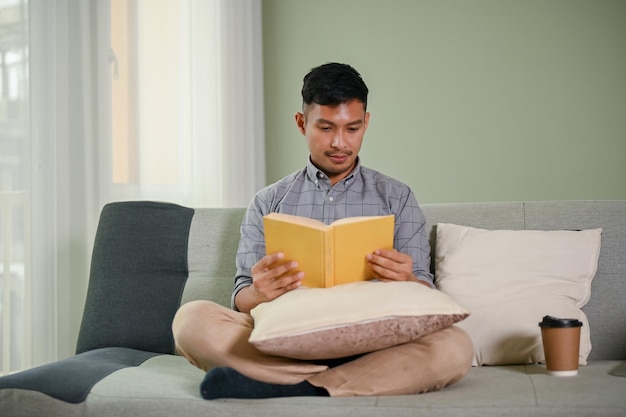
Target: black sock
228,383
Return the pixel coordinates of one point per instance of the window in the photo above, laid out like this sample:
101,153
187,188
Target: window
112,100
186,106
148,70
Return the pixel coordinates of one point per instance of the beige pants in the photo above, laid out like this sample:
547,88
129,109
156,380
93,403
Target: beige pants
209,335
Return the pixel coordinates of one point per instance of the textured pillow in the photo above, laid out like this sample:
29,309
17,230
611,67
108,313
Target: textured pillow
350,319
510,279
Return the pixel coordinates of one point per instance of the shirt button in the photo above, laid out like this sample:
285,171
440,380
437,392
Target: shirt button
331,199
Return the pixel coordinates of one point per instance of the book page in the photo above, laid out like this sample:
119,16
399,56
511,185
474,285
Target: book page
355,219
353,240
304,221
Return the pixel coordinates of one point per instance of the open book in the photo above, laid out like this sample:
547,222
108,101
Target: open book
328,254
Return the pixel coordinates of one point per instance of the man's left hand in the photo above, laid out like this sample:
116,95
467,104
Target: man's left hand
391,265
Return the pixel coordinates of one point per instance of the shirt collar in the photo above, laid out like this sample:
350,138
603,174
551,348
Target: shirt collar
314,173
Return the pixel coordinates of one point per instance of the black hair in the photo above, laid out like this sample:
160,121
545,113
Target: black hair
332,84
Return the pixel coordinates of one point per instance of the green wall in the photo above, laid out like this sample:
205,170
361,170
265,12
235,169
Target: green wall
470,100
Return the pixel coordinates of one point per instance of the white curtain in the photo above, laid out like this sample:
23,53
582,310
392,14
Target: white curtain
192,128
15,200
187,110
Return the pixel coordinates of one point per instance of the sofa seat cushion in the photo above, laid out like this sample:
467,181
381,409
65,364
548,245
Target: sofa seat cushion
71,379
162,384
167,385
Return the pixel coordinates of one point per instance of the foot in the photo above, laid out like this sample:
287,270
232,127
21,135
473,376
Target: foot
228,383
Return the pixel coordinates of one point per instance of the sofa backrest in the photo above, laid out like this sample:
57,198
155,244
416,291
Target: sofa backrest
213,242
148,259
138,271
132,298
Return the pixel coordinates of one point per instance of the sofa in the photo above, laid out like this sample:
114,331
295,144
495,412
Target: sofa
151,257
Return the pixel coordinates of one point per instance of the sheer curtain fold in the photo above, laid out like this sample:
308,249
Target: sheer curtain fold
62,165
242,101
15,197
191,118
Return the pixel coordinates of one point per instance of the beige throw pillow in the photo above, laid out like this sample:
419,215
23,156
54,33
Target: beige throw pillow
510,279
350,319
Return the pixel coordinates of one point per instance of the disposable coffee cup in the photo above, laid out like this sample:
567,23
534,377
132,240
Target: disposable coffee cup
561,345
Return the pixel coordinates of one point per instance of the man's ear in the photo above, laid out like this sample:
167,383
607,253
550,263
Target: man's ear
301,122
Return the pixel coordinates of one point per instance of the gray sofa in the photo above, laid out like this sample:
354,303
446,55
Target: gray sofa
149,258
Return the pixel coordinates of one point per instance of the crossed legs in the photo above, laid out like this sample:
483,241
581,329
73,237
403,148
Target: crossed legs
210,335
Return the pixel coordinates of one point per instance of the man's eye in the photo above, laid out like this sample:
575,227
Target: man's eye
325,128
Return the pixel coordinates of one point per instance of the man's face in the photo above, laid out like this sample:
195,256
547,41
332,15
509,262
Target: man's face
334,135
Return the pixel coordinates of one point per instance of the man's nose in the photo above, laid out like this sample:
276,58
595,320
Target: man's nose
338,140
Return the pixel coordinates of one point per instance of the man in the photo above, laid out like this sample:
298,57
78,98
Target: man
333,185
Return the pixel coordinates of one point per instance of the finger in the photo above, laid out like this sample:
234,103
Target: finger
279,286
265,271
277,279
392,254
266,262
281,270
385,268
289,282
379,260
384,274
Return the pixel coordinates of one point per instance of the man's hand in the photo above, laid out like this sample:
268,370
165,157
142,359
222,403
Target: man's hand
271,278
391,265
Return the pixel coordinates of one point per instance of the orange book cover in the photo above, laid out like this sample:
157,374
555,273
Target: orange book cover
328,254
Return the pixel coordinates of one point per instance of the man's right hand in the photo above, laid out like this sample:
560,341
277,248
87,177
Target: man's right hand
271,278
